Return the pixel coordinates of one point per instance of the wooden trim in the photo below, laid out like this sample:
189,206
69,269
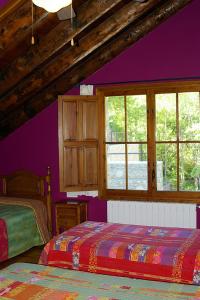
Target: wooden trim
4,186
150,143
79,188
150,90
180,142
77,97
182,197
158,87
60,142
177,142
79,114
25,184
128,143
126,147
49,200
79,143
102,159
164,199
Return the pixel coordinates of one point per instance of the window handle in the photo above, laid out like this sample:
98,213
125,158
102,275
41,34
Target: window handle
153,174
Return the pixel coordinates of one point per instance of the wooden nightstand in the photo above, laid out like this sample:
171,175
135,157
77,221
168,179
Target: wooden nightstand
70,214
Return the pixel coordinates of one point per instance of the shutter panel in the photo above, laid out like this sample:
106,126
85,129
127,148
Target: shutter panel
90,160
70,114
89,121
78,143
71,166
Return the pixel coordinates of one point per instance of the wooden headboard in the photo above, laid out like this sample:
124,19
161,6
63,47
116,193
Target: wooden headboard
25,184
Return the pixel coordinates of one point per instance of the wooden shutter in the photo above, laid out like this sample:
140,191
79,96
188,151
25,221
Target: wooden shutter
78,142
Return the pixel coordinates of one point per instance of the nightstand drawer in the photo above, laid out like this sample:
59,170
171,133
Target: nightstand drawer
69,215
64,224
64,211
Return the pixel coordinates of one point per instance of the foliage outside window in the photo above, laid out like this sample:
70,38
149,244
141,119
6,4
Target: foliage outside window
126,140
177,140
152,142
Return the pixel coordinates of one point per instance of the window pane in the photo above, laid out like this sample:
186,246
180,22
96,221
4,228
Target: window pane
166,117
137,167
136,118
166,167
115,119
189,116
189,169
116,169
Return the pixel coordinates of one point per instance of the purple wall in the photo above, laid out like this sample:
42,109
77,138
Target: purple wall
3,2
170,51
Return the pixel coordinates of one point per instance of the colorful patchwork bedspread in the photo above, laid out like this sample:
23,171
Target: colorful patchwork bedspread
33,282
146,252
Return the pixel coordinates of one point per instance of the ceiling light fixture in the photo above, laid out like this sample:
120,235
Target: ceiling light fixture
60,6
52,5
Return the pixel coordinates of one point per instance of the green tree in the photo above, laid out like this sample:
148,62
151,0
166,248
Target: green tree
166,130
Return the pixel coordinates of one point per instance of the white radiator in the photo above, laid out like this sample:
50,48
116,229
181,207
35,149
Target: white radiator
152,213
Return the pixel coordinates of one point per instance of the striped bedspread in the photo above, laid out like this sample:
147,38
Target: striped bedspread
33,282
146,252
22,226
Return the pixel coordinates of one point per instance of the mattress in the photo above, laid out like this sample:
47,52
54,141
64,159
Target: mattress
146,252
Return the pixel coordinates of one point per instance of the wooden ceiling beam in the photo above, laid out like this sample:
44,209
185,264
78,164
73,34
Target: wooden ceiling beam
66,60
16,28
9,8
58,38
103,55
89,65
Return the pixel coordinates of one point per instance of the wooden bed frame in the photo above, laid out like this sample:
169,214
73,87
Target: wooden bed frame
25,184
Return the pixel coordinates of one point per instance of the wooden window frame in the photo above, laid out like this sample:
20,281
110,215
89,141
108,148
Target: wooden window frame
150,90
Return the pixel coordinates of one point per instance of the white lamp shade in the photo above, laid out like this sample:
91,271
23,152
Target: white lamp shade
52,5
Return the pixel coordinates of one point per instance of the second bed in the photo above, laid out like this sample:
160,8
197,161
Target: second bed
146,252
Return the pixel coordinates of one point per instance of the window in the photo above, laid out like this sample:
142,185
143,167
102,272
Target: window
126,142
178,141
150,145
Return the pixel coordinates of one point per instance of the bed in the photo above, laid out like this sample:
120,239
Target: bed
25,213
153,253
28,282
